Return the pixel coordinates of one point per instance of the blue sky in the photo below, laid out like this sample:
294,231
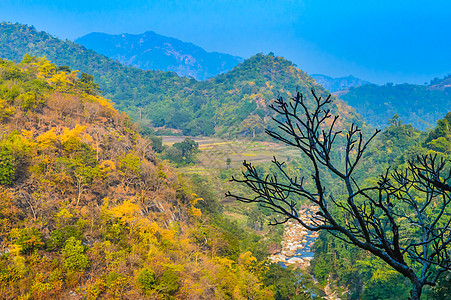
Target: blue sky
380,41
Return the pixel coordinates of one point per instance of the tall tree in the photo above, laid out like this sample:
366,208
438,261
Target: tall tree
404,218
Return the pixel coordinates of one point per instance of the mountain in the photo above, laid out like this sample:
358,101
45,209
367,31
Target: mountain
419,105
237,103
151,51
338,84
231,104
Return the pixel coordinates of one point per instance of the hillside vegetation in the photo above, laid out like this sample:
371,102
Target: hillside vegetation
87,210
355,272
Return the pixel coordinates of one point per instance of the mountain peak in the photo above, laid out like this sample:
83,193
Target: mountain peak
152,51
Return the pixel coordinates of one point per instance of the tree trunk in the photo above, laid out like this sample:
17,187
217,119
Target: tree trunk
415,293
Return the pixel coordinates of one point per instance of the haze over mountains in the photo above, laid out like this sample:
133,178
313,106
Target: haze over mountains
152,51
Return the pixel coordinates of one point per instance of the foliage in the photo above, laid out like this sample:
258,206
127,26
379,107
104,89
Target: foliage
146,280
183,153
7,166
439,139
28,239
73,254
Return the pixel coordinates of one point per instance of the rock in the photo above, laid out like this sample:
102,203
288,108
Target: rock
294,260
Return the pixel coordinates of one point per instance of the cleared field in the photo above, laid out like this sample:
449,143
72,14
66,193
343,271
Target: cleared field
215,152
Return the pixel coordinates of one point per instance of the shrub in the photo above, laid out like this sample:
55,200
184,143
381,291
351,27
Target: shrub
146,281
74,257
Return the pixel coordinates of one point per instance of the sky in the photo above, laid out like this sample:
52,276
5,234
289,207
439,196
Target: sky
380,41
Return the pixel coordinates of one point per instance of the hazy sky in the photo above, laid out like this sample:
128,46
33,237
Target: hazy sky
380,41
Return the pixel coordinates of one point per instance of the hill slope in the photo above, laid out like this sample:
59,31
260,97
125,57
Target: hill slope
118,82
236,103
87,211
151,51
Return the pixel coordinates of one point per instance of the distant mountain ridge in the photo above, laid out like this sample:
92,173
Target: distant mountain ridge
152,51
338,84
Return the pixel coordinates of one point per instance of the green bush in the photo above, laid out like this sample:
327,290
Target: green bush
59,236
7,166
146,281
29,239
169,282
74,257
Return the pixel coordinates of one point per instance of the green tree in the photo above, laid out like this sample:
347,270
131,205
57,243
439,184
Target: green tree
184,152
86,84
146,281
228,162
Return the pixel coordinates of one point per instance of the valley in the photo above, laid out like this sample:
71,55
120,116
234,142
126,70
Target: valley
99,201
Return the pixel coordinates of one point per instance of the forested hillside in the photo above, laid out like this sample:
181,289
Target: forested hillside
232,104
352,272
236,103
87,210
419,105
152,51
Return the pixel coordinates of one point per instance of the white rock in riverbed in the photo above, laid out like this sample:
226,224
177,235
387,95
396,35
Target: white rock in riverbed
294,260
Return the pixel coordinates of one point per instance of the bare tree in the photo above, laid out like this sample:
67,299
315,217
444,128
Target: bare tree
404,219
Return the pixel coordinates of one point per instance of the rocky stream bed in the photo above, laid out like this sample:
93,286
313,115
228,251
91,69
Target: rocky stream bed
296,247
297,241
